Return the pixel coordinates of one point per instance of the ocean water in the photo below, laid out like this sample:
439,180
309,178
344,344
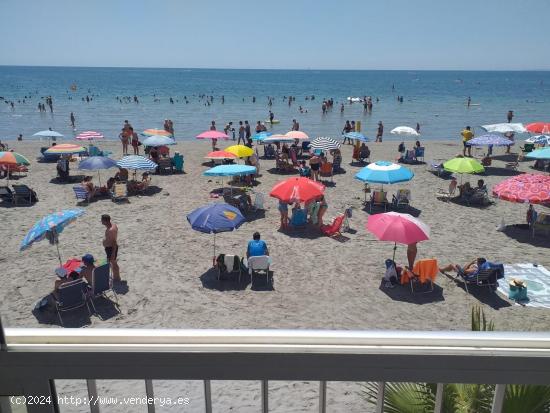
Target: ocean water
435,99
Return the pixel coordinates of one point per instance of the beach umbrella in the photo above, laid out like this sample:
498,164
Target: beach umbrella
215,218
524,188
324,143
539,127
95,163
505,128
65,149
240,150
357,136
136,162
463,166
398,228
48,134
261,136
12,159
297,189
158,140
158,132
543,153
297,134
278,138
230,170
50,227
404,131
539,139
89,136
212,134
384,172
220,155
490,139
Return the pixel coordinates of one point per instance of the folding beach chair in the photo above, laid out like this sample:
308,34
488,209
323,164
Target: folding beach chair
258,264
419,153
403,197
326,170
258,201
447,193
335,227
23,192
228,264
424,272
102,283
6,194
120,191
165,164
337,164
378,198
81,194
483,278
70,296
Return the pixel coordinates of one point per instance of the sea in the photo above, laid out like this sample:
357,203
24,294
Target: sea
98,97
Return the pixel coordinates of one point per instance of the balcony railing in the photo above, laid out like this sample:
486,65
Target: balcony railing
34,358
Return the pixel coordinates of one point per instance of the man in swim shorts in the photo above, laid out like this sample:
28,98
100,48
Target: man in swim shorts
110,245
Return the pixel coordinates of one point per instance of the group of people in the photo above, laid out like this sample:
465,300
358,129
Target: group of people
129,136
312,213
121,177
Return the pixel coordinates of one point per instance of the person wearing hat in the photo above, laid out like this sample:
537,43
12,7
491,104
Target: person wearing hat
87,268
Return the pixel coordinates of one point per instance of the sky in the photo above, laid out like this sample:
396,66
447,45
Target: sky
279,34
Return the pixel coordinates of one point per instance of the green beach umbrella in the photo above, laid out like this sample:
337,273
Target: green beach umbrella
463,166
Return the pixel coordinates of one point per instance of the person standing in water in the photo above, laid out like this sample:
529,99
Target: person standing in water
111,246
72,119
469,101
379,132
510,115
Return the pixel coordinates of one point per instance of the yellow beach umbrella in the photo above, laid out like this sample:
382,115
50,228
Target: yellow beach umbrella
240,150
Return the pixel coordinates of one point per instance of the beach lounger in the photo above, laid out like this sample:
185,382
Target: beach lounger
81,194
70,296
102,283
424,272
258,264
403,197
24,193
447,193
258,201
326,170
378,198
419,153
165,164
120,191
334,228
228,264
483,278
6,194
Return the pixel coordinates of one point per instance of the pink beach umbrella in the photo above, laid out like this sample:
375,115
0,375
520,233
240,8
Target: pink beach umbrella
398,228
89,135
297,134
524,188
212,134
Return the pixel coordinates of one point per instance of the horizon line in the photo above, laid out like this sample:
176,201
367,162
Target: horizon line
287,69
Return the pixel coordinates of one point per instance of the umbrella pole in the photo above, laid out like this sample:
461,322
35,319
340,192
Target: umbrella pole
58,253
99,177
214,257
394,248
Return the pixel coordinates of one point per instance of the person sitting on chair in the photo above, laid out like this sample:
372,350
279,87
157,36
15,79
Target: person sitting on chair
305,170
469,270
481,187
87,268
364,152
108,186
88,185
256,247
63,278
122,175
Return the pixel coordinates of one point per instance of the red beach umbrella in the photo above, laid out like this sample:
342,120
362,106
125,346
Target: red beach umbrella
221,155
538,127
525,188
297,189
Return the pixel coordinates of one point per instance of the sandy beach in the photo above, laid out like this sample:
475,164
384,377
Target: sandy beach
318,282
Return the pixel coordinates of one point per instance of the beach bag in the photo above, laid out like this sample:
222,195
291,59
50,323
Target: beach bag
391,272
518,290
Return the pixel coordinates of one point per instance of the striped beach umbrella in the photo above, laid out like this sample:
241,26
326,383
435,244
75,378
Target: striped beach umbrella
160,132
65,149
158,140
89,135
324,143
13,158
278,138
539,139
136,162
384,172
212,134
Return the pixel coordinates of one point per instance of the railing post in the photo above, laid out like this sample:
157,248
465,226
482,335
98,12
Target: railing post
207,397
498,399
3,346
439,398
265,396
150,395
322,396
380,399
92,395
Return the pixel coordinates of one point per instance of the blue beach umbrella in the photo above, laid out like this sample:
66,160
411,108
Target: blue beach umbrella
136,162
158,140
214,218
261,136
95,163
50,227
357,136
543,153
490,139
230,170
383,172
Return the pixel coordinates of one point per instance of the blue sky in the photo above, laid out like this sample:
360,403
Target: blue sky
292,34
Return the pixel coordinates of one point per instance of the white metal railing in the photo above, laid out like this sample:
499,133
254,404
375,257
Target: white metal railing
34,358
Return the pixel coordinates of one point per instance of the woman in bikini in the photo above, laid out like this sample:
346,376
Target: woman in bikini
323,206
315,164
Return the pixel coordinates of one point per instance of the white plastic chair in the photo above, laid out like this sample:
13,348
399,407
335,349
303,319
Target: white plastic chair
257,264
259,201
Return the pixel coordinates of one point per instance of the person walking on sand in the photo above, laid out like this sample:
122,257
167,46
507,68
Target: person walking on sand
111,246
248,134
467,134
379,132
123,136
242,132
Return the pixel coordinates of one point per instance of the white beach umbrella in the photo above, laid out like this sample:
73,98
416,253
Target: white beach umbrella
404,131
505,128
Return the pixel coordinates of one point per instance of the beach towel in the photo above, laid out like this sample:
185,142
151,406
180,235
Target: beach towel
537,279
426,269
